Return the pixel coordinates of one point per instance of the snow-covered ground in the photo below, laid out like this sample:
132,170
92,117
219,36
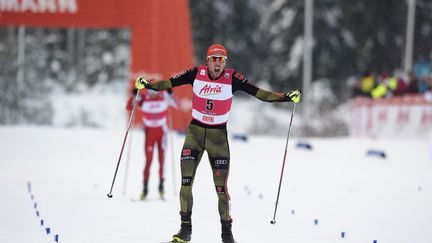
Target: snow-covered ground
331,189
61,175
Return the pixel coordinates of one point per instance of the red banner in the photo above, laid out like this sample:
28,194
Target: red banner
161,43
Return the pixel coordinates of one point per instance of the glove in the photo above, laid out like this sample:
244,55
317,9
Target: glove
141,83
293,96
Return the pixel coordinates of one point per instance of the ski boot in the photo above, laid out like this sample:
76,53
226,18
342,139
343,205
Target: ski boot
227,236
185,232
144,192
161,189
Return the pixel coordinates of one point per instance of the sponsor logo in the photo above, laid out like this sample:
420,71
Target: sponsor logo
187,158
209,90
155,105
221,162
220,189
239,76
382,116
226,75
217,49
403,117
426,118
187,152
209,119
187,181
202,72
39,6
180,74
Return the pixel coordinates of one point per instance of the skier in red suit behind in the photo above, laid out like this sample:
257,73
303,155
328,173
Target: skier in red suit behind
154,108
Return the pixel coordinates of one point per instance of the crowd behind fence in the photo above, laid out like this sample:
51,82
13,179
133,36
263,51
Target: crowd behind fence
385,84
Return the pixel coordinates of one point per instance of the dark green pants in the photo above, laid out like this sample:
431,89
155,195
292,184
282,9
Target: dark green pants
215,142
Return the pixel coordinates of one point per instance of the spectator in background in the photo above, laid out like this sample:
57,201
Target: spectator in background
413,86
423,84
381,90
428,93
398,84
402,82
422,68
355,85
392,84
367,83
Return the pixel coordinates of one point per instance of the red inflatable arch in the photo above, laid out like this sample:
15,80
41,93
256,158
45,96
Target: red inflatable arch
161,42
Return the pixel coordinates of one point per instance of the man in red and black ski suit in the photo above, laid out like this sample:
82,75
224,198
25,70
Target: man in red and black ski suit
154,109
213,88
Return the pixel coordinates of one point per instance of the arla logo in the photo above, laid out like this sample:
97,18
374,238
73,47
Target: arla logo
39,6
209,90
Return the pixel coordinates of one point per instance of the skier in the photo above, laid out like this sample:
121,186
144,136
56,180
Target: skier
213,88
154,107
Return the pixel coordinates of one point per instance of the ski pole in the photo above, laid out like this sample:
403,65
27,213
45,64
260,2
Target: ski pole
283,165
127,163
124,141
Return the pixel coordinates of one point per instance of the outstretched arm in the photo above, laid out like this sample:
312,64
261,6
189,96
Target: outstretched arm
160,85
241,83
269,96
141,83
186,77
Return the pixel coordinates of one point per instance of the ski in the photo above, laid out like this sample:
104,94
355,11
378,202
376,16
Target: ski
175,241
